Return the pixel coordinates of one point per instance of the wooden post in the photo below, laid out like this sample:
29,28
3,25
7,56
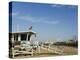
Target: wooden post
12,46
39,49
12,52
32,52
48,47
19,37
27,37
12,38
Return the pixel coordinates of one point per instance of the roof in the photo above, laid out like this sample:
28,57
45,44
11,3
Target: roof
24,32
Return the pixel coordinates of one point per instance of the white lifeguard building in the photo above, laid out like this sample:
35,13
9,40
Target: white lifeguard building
23,38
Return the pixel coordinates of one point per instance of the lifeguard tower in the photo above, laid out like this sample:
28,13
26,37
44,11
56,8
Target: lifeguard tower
21,41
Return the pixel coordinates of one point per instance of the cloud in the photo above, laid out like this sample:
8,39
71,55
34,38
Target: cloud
59,5
71,6
56,5
13,14
30,19
51,22
39,20
34,19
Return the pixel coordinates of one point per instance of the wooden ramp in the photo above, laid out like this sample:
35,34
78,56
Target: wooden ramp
17,52
53,50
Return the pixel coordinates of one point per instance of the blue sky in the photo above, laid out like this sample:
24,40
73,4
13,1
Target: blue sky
50,21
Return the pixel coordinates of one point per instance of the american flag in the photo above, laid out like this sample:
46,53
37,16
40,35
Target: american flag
30,28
